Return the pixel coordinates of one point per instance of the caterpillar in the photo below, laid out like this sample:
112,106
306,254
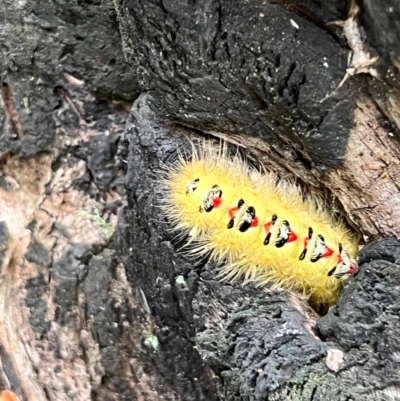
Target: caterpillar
257,228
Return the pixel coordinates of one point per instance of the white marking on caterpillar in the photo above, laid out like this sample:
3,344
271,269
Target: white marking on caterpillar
212,199
248,220
320,250
192,186
345,267
285,234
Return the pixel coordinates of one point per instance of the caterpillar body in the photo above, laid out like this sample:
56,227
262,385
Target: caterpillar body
256,228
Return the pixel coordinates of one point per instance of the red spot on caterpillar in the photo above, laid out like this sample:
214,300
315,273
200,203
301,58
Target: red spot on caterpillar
254,222
306,241
216,202
212,199
352,270
345,265
328,252
249,219
321,250
285,235
292,236
232,212
267,226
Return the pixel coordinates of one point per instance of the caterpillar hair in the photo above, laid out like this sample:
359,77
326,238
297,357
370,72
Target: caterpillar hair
256,228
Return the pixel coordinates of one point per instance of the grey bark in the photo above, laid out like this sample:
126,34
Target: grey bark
258,344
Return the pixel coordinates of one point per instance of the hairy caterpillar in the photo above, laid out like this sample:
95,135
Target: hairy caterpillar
256,228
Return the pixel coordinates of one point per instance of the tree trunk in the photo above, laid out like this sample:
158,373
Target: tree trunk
97,303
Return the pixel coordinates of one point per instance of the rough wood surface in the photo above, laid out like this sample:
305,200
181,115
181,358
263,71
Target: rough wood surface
259,344
368,182
281,85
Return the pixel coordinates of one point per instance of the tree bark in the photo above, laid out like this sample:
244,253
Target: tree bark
274,76
259,344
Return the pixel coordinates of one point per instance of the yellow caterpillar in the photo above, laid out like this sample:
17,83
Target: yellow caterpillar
256,228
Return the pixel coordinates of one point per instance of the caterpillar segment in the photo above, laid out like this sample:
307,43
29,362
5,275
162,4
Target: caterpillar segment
256,229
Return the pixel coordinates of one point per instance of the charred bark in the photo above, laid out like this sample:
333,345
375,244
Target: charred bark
259,344
292,79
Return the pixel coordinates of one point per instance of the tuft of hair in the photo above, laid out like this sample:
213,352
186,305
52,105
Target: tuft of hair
256,228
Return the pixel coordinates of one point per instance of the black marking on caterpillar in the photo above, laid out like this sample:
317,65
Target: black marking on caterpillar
192,186
212,199
268,227
345,266
248,220
306,241
285,234
320,250
233,212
